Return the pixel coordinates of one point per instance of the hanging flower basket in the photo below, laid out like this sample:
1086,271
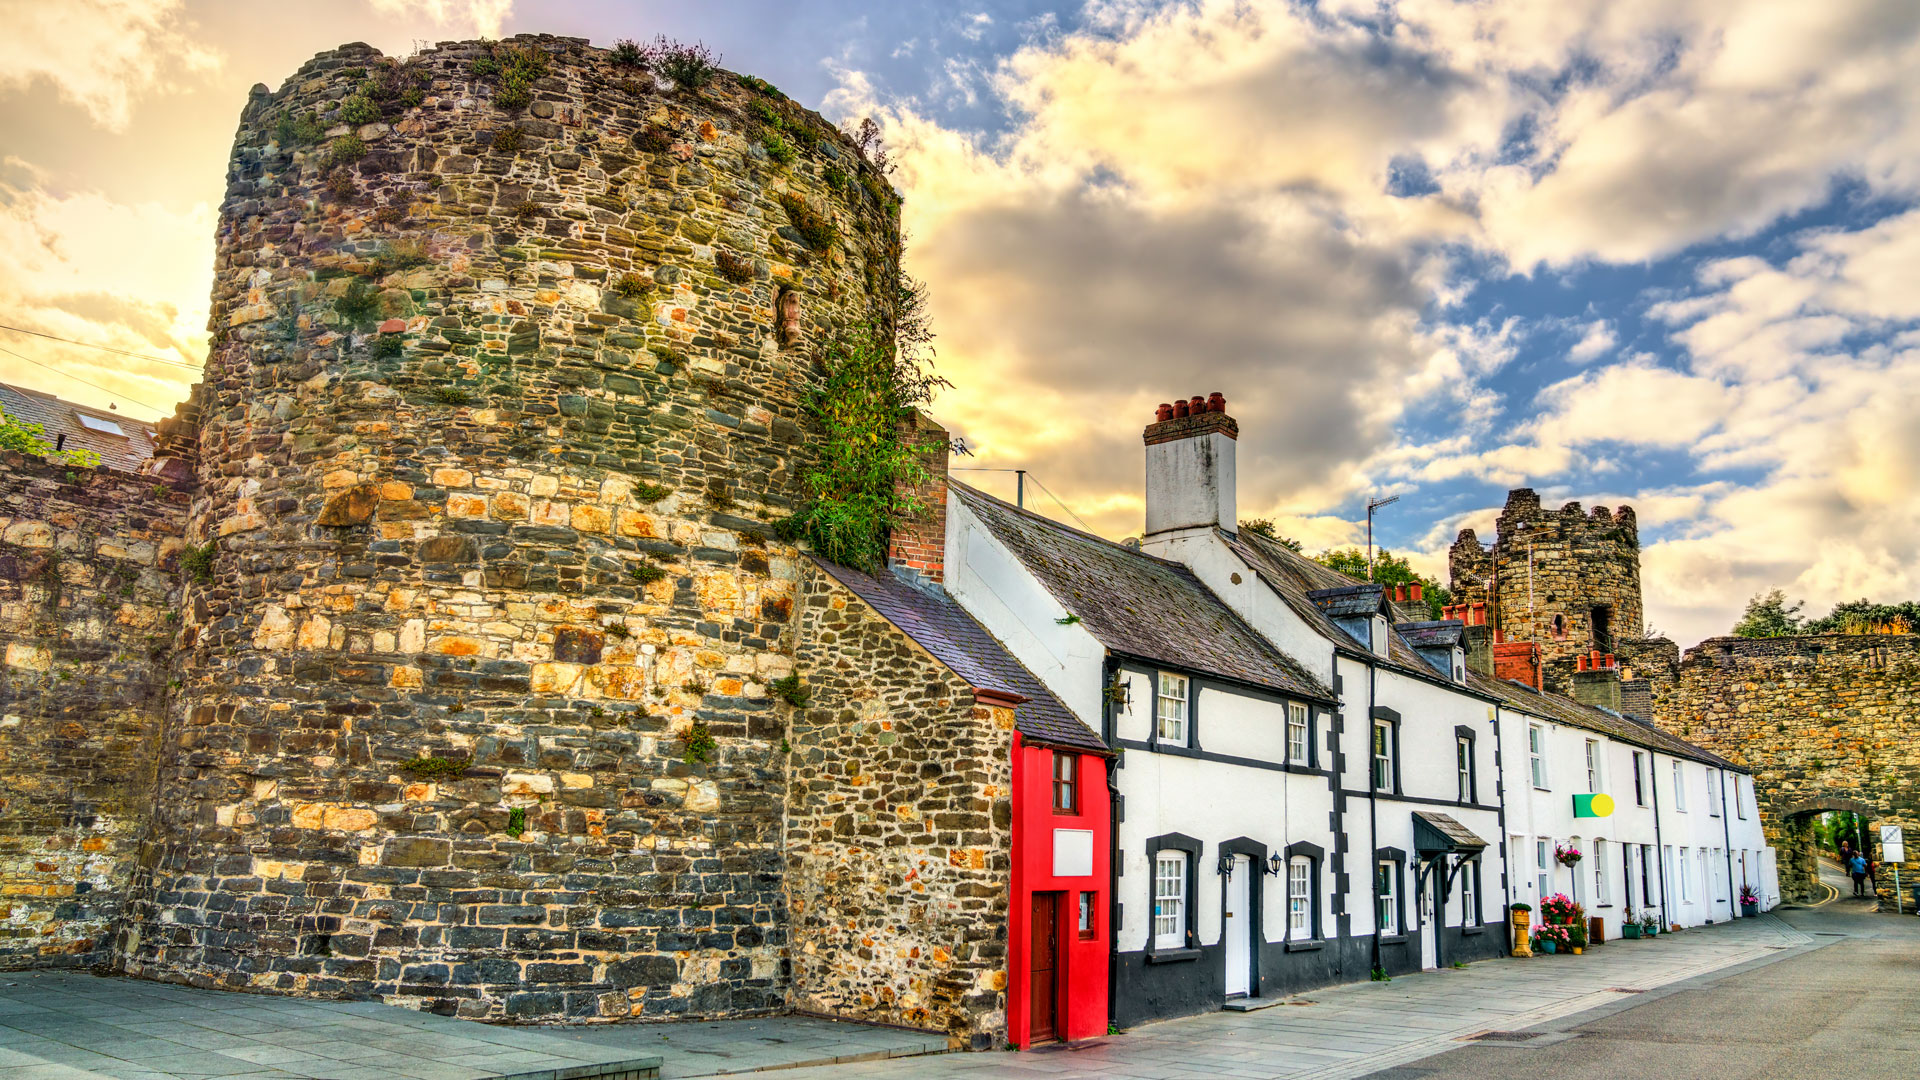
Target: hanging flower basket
1567,854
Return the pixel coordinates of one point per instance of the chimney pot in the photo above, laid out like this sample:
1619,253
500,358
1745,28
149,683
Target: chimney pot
1579,663
1180,408
1197,405
1413,592
1164,413
1610,661
1216,402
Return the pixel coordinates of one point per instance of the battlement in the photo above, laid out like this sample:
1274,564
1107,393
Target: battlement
1566,579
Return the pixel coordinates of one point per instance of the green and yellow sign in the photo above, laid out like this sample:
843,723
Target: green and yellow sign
1593,806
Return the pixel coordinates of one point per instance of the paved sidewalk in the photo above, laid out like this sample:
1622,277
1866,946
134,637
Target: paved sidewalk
1357,1029
72,1026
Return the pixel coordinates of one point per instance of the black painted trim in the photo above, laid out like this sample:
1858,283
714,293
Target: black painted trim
1251,689
1391,797
1224,759
1316,896
1193,848
1462,731
1399,859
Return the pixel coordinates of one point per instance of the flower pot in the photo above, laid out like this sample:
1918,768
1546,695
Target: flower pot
1749,910
1549,946
1652,931
1630,930
1577,950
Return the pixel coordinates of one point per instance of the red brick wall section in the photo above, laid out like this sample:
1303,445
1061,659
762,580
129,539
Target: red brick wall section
921,543
1517,660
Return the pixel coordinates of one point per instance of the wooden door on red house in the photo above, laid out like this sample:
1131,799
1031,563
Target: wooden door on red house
1043,967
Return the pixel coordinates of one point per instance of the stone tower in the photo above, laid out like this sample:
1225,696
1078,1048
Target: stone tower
1567,580
512,345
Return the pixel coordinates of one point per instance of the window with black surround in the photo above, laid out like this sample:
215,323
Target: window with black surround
1303,895
1173,859
1299,734
1469,873
1066,786
1385,750
1466,773
1172,710
1389,903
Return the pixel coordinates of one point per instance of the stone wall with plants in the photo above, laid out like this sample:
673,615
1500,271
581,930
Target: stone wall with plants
514,345
89,565
899,819
1826,722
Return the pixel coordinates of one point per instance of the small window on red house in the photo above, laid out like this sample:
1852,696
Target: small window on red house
1066,769
1086,915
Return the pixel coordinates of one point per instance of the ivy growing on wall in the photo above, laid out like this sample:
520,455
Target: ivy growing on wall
873,375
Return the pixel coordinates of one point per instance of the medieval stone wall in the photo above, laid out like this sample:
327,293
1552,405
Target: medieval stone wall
1828,722
474,712
899,829
89,565
1546,575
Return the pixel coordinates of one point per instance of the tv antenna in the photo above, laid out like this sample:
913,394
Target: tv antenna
1372,505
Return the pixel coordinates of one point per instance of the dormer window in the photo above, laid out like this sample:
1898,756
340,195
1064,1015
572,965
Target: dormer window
1379,635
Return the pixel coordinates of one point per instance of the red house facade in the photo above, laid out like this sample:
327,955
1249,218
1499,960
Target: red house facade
1058,940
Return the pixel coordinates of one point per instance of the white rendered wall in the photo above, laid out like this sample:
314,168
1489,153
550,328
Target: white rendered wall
1190,483
992,585
1208,556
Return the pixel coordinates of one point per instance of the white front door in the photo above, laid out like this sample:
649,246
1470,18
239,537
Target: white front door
1429,922
1238,931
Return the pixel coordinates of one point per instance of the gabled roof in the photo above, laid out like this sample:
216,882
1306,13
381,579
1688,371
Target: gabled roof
940,626
1295,578
126,451
1435,634
1140,605
1347,601
1565,710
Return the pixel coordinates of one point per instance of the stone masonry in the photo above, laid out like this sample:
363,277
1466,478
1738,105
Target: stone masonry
472,707
1567,580
899,825
1826,722
89,591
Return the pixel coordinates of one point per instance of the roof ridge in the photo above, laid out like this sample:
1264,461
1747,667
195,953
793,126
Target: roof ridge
1042,519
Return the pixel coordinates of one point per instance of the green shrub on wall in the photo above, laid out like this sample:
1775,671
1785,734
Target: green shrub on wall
862,486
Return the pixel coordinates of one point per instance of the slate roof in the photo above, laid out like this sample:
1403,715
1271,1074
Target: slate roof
1294,577
943,628
1138,604
58,417
1346,601
1565,710
1437,634
1457,837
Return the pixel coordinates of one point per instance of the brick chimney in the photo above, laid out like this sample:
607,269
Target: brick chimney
917,548
1596,681
1190,471
1518,661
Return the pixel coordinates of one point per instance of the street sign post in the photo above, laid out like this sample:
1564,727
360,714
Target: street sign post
1893,849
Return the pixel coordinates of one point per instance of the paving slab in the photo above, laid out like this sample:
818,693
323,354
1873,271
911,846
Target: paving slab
74,1026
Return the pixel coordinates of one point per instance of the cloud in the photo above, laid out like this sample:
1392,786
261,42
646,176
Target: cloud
484,17
101,55
1596,341
81,266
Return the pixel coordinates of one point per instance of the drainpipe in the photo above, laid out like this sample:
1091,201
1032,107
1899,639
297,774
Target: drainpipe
1373,822
1660,848
1108,734
1726,832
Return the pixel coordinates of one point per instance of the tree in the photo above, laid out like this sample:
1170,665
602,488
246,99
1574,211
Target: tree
1264,527
1769,615
1388,569
1866,617
31,438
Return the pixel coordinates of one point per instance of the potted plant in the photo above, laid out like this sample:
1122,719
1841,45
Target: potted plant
1630,926
1522,914
1567,854
1649,926
1577,936
1558,908
1551,938
1749,901
1518,918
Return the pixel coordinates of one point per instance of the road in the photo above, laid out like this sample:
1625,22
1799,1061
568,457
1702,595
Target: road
1845,1009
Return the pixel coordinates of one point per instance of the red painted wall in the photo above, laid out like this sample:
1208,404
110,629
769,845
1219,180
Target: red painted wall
1083,983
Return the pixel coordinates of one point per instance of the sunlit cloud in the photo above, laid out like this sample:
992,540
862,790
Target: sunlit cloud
101,55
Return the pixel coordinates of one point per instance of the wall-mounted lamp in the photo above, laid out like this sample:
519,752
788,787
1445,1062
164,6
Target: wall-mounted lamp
1275,863
1226,866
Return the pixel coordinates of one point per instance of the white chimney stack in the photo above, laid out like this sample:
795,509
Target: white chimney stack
1190,472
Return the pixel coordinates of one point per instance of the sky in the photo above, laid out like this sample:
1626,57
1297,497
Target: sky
1653,252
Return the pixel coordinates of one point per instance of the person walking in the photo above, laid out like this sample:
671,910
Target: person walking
1857,866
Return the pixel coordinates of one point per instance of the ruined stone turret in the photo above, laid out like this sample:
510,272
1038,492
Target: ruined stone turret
1566,580
510,356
